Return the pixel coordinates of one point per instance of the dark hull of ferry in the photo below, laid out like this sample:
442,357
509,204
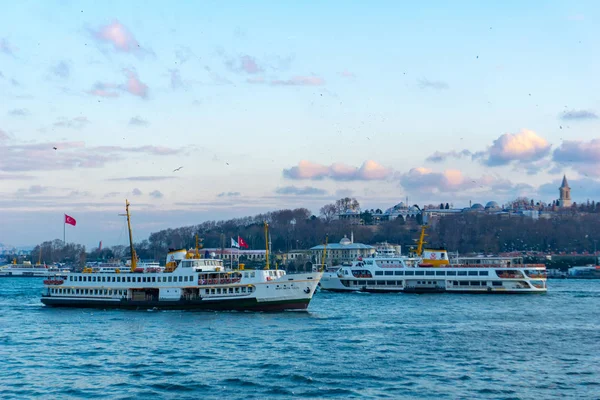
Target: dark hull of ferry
208,305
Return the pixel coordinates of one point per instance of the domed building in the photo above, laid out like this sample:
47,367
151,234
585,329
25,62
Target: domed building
477,207
492,205
344,251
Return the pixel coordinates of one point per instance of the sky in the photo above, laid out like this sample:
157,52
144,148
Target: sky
198,111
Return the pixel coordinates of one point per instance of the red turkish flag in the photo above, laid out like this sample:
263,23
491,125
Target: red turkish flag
70,220
242,242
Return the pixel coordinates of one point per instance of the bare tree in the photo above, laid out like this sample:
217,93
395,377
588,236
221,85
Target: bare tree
328,212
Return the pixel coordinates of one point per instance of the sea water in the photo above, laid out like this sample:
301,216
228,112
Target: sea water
354,345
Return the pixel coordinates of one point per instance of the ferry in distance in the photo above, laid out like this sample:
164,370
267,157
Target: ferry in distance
188,281
434,273
28,270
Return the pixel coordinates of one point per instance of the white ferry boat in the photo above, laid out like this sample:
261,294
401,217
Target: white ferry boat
434,273
187,282
29,270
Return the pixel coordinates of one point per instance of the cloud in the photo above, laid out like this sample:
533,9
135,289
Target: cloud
34,189
438,85
14,177
244,64
6,47
137,121
152,150
156,194
111,194
578,115
136,192
69,155
229,194
19,112
75,123
300,81
369,170
133,86
143,178
525,146
117,35
424,180
61,70
104,90
582,156
3,136
346,74
300,191
439,156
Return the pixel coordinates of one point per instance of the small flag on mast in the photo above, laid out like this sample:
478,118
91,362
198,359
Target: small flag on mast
70,220
234,243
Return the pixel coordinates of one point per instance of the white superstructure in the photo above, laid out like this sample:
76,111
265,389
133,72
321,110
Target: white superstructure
507,275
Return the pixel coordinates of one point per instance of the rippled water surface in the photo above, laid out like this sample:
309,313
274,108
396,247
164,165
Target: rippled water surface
346,345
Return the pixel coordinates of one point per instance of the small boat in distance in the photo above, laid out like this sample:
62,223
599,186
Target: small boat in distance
188,281
435,273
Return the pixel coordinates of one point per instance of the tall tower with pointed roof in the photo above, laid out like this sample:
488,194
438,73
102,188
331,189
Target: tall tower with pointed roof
565,193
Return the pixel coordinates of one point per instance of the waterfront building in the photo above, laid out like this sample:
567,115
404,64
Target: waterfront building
344,251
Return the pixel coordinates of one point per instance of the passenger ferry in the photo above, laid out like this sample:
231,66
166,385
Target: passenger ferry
188,281
29,270
434,273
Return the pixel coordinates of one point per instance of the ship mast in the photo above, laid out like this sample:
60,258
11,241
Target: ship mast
324,253
267,244
133,255
421,241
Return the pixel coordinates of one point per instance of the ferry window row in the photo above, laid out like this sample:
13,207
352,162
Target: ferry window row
144,279
238,290
475,283
90,292
377,283
433,272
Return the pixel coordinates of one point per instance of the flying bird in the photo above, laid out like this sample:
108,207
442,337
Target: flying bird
55,148
177,169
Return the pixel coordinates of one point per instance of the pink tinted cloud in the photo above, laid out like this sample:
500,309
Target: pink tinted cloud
347,74
118,36
451,180
300,81
134,86
249,65
525,146
368,171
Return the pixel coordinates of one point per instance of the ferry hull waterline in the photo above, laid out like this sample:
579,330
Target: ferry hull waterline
203,305
188,282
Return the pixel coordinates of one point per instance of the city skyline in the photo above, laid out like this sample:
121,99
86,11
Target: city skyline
200,112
